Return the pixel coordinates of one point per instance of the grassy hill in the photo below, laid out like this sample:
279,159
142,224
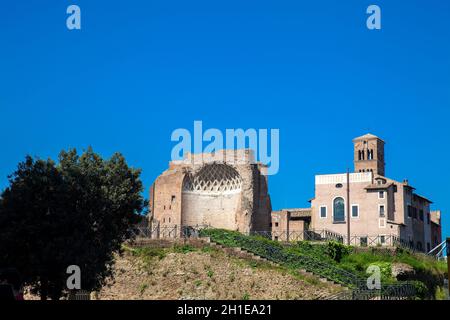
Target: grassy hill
205,272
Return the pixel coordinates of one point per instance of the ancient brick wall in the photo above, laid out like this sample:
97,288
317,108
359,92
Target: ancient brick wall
224,190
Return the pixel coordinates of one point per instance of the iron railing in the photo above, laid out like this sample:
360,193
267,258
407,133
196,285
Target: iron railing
386,241
79,295
167,232
380,240
176,231
386,292
305,235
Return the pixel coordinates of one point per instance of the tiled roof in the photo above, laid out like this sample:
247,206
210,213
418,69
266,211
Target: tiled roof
367,136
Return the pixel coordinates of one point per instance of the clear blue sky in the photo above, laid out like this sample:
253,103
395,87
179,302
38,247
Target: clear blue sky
140,69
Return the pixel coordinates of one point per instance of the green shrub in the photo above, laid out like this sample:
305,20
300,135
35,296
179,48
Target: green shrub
336,250
183,248
197,283
421,290
440,293
148,253
142,288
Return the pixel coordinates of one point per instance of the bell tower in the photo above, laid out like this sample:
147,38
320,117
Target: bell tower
369,154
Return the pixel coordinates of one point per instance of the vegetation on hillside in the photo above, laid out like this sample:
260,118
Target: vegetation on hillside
200,271
338,262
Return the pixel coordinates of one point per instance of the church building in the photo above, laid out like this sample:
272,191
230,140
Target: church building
372,208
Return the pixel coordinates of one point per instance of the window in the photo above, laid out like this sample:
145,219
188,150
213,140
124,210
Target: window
428,247
381,195
409,211
355,211
276,224
173,199
339,185
323,211
383,239
363,241
361,155
421,215
428,218
169,219
381,210
338,210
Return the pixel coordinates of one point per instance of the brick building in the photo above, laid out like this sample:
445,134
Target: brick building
380,209
289,224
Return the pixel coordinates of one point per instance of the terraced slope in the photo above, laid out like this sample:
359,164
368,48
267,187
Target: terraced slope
205,272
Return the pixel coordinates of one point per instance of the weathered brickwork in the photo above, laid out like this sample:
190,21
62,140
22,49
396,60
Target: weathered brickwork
227,189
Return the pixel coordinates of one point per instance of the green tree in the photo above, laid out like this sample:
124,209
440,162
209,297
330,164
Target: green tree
76,212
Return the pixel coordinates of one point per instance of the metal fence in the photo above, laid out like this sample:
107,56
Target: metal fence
387,241
167,232
175,231
79,295
402,291
380,240
309,235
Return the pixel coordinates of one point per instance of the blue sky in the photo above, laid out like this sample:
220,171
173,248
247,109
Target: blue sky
140,69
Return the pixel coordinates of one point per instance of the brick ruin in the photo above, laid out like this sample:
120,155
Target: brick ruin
226,189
